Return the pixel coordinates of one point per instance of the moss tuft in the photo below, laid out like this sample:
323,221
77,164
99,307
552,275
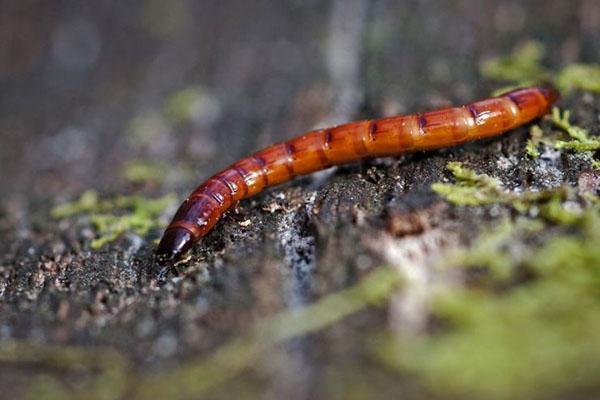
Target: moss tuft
182,106
536,136
113,217
472,189
141,171
533,340
524,68
579,76
489,249
581,141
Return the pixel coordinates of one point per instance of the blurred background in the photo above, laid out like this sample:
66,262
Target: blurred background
87,88
113,99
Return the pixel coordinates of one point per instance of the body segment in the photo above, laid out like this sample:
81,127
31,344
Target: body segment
342,144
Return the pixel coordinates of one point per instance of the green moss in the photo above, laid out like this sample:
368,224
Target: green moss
488,251
147,128
534,340
468,176
581,141
472,189
113,217
110,227
142,171
536,136
524,68
580,76
88,202
181,106
556,211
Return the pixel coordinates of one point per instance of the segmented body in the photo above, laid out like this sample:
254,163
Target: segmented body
342,144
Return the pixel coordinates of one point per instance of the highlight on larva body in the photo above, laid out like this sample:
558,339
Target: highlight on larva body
342,144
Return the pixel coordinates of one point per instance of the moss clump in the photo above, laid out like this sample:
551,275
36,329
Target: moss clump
473,189
488,250
88,202
536,137
581,141
560,213
141,171
146,129
470,189
113,217
537,339
580,76
179,106
524,68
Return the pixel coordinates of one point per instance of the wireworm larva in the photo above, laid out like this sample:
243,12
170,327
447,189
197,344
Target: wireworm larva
342,144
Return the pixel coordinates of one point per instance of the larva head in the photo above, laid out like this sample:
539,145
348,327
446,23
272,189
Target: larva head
174,243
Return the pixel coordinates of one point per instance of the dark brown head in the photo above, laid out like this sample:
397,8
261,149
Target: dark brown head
174,243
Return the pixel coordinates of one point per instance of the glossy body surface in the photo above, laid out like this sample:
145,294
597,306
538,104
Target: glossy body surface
342,144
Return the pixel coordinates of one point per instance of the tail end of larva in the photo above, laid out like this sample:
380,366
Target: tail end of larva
549,92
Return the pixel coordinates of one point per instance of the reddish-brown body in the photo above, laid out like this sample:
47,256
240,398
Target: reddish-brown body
346,143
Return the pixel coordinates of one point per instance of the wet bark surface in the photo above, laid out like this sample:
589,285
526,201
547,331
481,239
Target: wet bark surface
77,82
